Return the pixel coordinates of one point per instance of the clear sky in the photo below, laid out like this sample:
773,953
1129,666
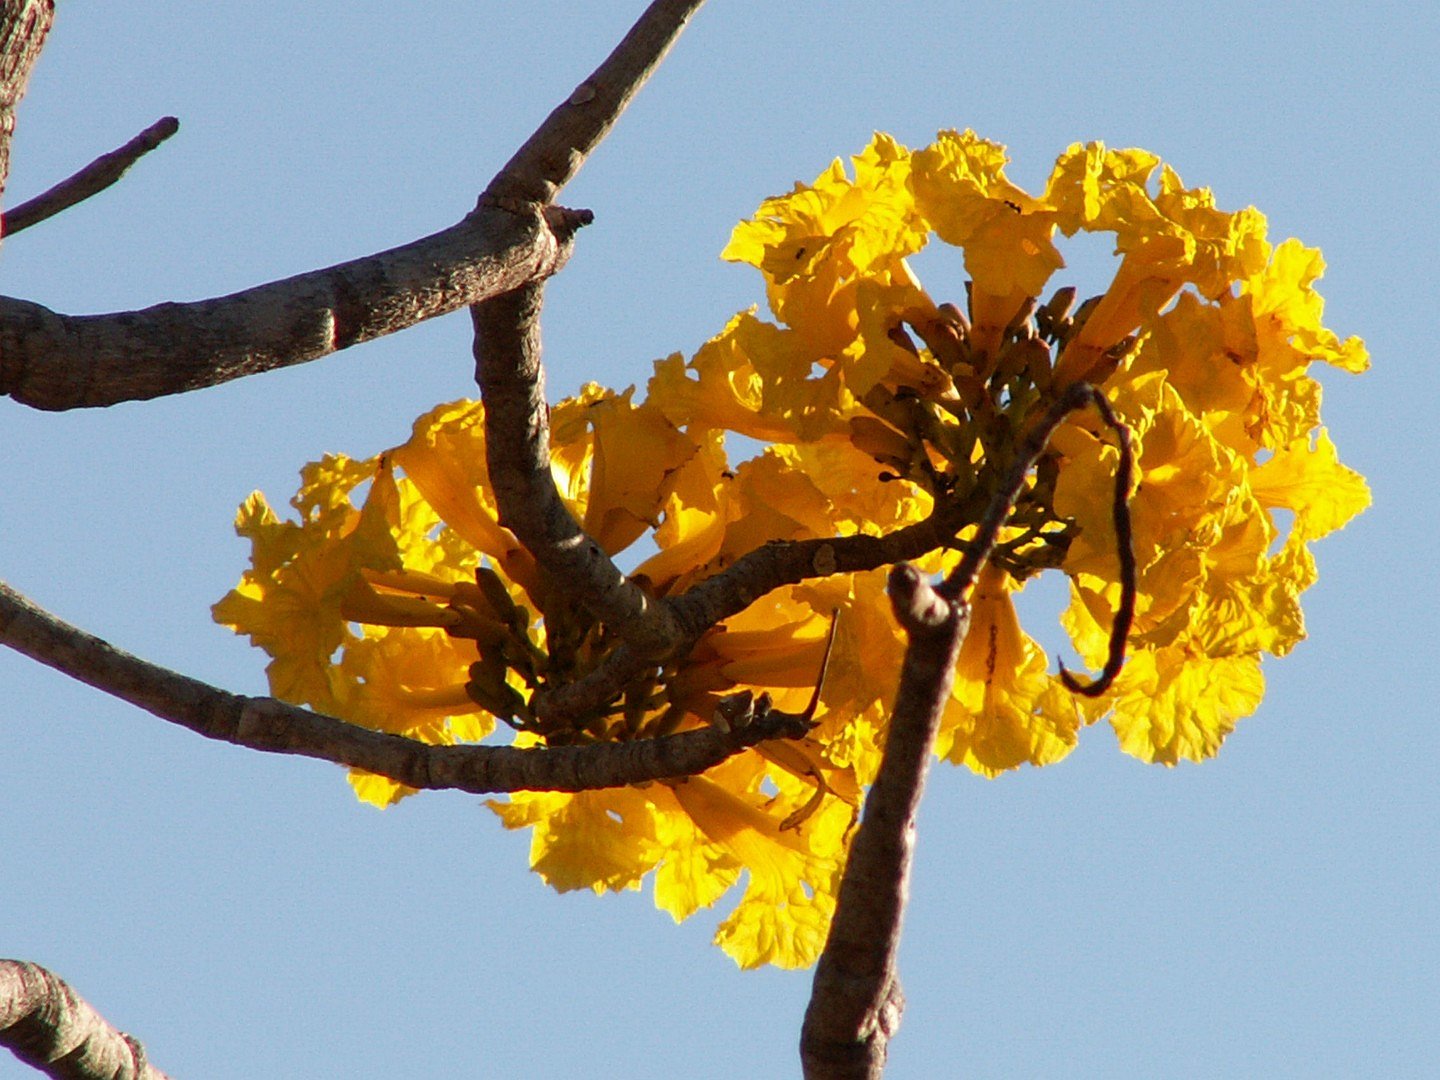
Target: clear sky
1270,913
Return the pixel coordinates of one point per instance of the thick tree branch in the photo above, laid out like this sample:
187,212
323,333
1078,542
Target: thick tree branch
47,1025
24,25
507,347
275,727
553,155
517,447
856,1002
91,180
53,361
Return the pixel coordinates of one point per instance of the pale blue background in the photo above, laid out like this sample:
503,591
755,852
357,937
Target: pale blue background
1271,913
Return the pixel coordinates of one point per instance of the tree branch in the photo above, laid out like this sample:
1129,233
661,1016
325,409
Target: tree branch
552,156
507,347
856,1002
785,562
47,1025
275,727
91,180
517,448
53,361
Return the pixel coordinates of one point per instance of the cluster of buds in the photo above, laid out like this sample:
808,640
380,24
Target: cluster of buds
967,404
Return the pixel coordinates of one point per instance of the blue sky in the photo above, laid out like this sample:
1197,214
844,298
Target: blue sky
1270,913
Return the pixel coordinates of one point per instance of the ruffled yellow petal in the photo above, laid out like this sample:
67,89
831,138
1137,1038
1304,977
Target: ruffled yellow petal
1171,705
605,841
1309,480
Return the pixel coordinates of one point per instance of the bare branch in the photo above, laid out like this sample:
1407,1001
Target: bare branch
91,180
856,1001
517,447
53,361
275,727
507,347
47,1025
24,25
553,155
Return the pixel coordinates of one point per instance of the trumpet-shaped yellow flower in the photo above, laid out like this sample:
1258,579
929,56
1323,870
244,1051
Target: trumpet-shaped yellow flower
1005,709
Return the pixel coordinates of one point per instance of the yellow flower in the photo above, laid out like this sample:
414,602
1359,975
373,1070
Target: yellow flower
1175,238
1005,709
962,193
416,612
814,244
398,601
1201,342
291,601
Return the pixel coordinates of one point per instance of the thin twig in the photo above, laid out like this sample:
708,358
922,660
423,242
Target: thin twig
977,552
91,180
275,727
50,1027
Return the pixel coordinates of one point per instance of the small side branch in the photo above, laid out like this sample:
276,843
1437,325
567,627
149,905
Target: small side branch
47,1025
91,180
275,727
1076,396
1125,549
856,1001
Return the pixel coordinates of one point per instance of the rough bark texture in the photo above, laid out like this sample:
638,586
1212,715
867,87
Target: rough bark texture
46,1024
856,1002
758,572
54,361
24,25
517,447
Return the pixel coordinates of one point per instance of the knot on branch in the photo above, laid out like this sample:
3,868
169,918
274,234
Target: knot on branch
752,719
565,222
918,607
